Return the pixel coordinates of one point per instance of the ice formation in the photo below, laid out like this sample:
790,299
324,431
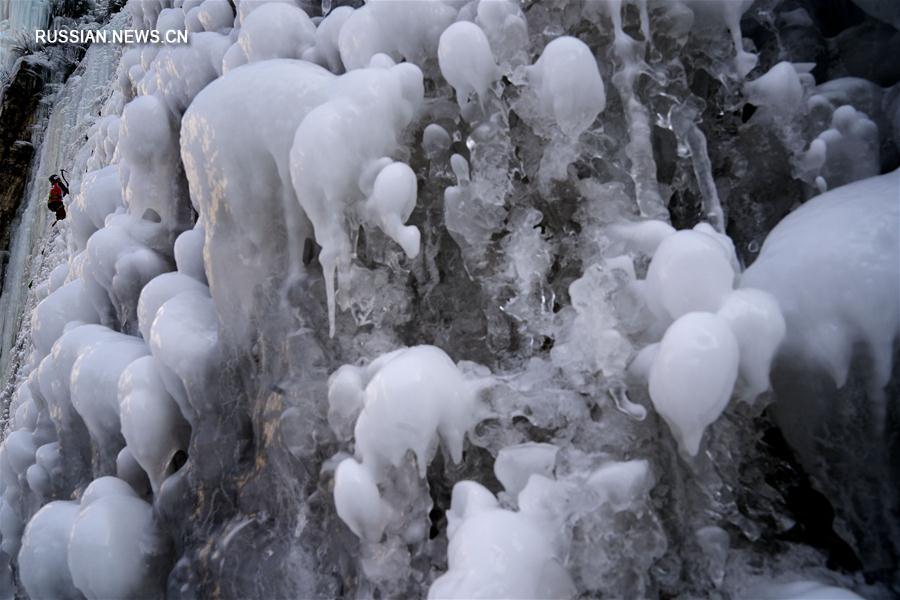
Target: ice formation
403,402
693,374
449,298
466,61
829,310
568,85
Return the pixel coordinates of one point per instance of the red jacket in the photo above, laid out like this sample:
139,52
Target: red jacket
56,194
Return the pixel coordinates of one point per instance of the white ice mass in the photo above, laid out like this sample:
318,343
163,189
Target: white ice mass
451,299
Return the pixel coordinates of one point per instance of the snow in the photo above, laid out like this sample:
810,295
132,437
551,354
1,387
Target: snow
693,375
568,84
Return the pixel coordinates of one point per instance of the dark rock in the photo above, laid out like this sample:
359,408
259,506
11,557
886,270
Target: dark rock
17,116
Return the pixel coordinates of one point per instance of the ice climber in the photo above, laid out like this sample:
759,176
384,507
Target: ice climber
55,200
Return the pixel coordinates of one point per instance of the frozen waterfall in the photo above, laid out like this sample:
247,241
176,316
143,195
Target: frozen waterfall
458,299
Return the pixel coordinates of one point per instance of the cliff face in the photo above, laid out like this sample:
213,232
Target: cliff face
17,115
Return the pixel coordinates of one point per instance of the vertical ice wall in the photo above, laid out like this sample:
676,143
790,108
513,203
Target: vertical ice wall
35,249
18,21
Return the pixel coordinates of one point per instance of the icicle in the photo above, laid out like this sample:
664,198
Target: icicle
630,55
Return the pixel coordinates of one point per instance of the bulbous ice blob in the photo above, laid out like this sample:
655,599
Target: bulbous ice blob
358,502
337,142
235,143
435,140
346,397
689,272
151,179
179,72
274,30
152,423
38,479
245,8
160,290
834,267
415,396
779,89
466,61
48,457
43,559
758,325
495,553
19,450
693,375
506,30
184,340
326,52
95,383
99,195
11,524
467,498
400,29
115,550
106,486
392,201
121,258
67,304
189,255
640,365
129,471
568,84
848,150
515,464
211,15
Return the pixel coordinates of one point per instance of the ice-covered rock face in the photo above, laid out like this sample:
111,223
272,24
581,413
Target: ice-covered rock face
448,298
